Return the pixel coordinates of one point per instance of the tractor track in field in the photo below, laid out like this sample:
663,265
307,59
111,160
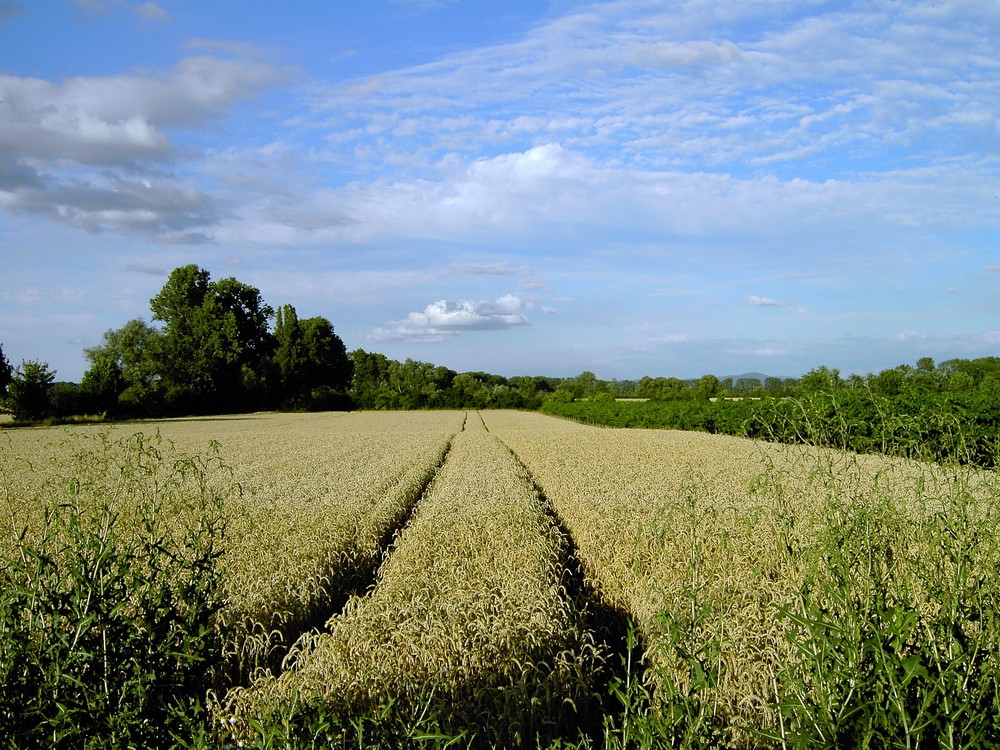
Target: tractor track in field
362,578
609,625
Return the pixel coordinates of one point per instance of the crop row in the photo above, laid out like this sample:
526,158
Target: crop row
715,546
469,608
309,501
782,594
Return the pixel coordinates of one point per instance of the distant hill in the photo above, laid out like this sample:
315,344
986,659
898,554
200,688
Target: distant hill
758,376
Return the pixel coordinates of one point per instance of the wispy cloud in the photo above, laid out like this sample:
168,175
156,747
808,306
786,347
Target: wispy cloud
757,301
500,268
615,161
905,335
151,12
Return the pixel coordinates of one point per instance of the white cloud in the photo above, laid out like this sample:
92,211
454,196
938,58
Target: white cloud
76,149
500,268
652,343
756,301
443,319
905,336
113,119
767,351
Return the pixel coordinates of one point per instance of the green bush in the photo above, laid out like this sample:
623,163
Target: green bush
29,392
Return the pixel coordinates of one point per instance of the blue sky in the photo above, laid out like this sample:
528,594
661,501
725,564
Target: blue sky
633,188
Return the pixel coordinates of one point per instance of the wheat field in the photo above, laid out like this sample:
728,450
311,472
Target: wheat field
454,561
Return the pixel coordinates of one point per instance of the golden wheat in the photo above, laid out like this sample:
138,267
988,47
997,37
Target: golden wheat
669,522
309,499
469,606
691,535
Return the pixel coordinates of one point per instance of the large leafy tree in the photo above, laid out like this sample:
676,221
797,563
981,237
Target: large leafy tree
124,373
370,383
215,340
327,364
310,360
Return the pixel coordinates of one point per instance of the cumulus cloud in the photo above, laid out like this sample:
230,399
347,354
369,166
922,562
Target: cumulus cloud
73,151
444,319
115,119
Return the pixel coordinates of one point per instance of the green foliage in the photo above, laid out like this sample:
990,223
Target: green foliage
895,629
211,332
124,373
314,725
311,363
214,353
107,621
936,414
6,373
29,395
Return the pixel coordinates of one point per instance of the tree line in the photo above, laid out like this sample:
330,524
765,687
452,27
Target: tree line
217,347
947,411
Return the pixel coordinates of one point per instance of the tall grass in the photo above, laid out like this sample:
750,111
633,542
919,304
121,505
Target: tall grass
108,610
896,622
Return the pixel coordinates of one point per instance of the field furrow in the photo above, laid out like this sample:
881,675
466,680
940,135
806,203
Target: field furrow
469,608
473,574
701,539
311,501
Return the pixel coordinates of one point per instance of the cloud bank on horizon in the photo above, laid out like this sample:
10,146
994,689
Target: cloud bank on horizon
630,187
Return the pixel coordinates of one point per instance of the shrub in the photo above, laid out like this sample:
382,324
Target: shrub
29,393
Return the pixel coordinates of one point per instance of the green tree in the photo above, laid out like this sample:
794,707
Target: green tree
370,383
585,385
30,391
419,385
6,373
215,340
125,370
469,392
773,385
821,379
310,361
327,364
708,386
288,354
